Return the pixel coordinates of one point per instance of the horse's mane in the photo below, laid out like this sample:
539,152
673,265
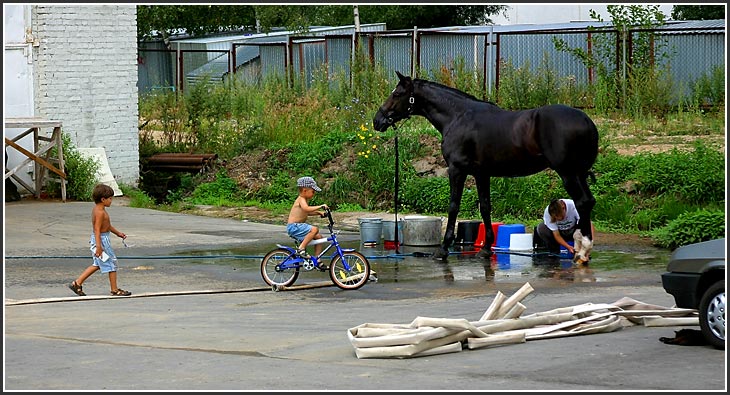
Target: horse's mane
452,90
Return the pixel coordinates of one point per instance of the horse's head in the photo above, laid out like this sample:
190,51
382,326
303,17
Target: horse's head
399,105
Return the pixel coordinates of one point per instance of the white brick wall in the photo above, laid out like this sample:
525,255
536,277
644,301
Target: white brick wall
85,75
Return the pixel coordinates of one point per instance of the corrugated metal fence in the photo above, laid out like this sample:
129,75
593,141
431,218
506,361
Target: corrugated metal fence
693,52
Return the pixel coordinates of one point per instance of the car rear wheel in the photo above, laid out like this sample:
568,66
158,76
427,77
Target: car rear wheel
712,314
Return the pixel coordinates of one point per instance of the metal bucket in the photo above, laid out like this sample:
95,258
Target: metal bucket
370,230
389,230
420,230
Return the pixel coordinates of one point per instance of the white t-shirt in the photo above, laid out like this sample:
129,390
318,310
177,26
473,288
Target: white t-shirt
570,220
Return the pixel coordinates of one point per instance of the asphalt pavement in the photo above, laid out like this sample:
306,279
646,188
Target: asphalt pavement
209,324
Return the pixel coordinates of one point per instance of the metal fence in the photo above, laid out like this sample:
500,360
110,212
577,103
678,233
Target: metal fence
693,53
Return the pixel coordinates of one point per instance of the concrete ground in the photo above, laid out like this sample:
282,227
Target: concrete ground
208,324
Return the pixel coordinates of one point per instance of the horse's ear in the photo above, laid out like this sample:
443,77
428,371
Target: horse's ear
400,76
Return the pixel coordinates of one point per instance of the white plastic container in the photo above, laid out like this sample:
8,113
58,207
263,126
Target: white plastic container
520,242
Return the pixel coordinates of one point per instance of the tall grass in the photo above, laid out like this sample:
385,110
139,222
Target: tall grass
323,129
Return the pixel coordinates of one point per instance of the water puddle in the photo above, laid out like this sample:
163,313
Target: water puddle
414,263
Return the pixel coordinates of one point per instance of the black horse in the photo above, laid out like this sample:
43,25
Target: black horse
480,139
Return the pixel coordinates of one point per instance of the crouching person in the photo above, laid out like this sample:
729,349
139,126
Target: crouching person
560,226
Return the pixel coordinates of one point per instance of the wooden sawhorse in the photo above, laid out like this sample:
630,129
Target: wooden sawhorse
41,154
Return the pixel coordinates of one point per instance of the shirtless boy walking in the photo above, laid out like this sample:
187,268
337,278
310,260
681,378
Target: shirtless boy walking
103,253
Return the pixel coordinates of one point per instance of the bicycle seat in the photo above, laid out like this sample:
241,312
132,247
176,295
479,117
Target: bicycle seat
317,241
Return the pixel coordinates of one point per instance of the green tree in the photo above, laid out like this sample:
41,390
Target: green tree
298,18
697,12
161,21
426,16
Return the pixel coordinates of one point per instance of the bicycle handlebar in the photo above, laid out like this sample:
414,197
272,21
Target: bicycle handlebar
328,214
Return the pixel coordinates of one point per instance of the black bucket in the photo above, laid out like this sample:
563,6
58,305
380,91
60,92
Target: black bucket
466,232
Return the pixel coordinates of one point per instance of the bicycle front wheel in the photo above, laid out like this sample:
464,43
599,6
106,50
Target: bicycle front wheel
273,273
352,272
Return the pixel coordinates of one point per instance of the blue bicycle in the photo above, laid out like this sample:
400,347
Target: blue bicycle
348,268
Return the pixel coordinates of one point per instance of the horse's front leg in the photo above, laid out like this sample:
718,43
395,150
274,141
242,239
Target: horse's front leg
456,185
485,209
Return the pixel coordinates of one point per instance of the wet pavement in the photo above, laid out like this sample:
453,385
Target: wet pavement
46,245
142,269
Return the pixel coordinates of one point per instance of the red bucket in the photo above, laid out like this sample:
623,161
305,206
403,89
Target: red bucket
389,244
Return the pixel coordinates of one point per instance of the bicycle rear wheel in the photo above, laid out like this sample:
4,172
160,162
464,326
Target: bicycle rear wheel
271,271
352,272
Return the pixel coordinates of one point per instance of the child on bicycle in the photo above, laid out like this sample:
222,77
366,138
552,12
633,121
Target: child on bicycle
297,226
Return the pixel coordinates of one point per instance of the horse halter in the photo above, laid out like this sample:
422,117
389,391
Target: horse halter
409,112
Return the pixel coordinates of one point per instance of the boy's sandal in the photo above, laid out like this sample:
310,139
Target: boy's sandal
77,289
121,292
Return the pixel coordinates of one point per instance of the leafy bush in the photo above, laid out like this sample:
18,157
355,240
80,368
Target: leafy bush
219,192
280,189
697,176
81,173
691,227
709,90
524,197
138,198
426,194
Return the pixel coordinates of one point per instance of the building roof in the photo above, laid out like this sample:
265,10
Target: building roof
676,27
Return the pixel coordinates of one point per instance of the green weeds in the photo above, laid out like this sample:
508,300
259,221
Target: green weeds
323,130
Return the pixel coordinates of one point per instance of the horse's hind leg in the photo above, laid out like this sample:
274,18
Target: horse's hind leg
456,186
578,190
485,209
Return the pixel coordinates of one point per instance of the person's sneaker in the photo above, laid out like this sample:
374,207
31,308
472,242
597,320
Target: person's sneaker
304,254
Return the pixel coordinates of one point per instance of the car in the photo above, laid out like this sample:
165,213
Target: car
696,278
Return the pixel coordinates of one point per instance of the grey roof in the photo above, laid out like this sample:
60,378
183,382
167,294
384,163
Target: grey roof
674,27
519,27
281,35
708,26
245,54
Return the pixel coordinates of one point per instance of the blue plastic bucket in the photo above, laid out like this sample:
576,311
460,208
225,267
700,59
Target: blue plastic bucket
504,232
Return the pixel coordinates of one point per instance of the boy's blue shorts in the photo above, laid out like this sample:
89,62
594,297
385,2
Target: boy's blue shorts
298,230
110,265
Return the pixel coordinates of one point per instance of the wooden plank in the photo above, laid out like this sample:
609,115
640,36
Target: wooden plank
35,158
12,171
26,186
31,122
20,136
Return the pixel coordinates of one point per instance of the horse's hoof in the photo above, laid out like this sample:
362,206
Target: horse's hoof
440,255
484,253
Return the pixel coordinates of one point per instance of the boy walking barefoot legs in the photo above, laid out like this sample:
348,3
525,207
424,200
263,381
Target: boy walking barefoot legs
103,253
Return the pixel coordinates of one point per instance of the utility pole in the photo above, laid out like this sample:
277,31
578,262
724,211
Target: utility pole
357,18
